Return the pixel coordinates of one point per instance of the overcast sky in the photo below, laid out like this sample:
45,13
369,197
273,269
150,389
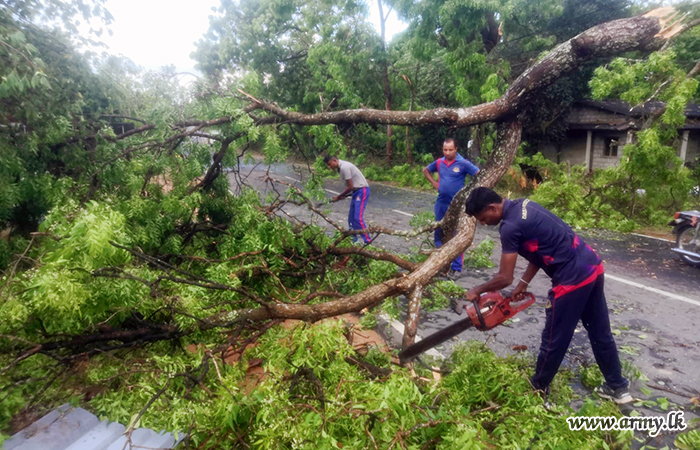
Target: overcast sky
155,33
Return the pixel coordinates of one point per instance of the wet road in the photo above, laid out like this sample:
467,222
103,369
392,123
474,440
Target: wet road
653,297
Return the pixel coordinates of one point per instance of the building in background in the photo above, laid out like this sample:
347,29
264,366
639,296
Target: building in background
598,130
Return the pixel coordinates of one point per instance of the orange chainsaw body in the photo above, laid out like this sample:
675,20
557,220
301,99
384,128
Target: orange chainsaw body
492,309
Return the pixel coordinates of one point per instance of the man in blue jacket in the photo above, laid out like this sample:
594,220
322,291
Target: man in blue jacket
452,170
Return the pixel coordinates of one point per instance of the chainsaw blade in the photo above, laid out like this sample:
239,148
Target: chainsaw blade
434,339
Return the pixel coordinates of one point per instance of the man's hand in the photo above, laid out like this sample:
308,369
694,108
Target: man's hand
519,292
472,294
336,198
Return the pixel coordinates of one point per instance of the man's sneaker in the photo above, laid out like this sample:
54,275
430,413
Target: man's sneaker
619,395
544,395
454,274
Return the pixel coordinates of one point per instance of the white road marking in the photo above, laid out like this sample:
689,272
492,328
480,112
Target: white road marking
333,192
401,212
293,179
651,237
398,326
654,290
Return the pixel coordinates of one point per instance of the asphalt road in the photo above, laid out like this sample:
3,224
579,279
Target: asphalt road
653,297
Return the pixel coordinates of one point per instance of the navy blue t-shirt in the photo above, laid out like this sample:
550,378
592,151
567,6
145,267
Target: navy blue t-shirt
452,175
546,241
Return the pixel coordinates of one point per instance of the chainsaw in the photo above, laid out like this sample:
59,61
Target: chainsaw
490,310
329,201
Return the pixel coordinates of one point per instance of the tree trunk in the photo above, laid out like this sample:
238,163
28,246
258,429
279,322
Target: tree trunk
409,156
385,79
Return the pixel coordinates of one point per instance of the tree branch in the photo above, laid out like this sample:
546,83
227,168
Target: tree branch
644,33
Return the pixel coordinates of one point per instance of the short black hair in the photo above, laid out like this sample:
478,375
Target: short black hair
479,199
329,158
450,139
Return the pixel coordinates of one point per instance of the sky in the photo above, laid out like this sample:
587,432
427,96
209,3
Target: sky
155,33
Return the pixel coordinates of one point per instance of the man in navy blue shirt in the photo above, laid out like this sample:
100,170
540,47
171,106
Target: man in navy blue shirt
452,170
577,274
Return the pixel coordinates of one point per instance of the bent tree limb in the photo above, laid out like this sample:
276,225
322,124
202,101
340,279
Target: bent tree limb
644,33
420,276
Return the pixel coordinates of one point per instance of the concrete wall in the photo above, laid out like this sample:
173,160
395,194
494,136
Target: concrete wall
600,161
593,115
573,150
693,150
549,151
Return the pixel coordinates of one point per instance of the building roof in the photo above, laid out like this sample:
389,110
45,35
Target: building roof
621,107
69,428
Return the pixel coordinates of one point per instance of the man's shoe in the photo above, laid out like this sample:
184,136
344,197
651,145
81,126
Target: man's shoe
454,274
619,395
544,395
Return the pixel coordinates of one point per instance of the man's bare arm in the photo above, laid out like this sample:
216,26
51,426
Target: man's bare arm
503,278
524,283
348,189
429,177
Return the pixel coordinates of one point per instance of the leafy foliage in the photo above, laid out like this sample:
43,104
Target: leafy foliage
132,269
305,394
646,187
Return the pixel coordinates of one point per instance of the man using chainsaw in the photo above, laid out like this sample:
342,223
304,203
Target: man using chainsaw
577,276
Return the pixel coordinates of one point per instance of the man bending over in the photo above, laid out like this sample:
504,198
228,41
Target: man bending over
577,274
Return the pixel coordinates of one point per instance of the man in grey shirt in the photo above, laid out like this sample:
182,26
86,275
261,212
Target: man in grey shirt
356,185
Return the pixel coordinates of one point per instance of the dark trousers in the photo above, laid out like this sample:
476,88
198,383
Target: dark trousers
356,219
440,210
586,303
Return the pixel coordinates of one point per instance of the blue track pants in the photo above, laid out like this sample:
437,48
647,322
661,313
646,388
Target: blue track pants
440,210
356,214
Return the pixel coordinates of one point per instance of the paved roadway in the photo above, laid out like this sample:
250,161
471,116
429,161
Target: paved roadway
653,297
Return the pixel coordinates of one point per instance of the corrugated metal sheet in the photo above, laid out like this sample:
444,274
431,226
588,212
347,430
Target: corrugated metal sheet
69,428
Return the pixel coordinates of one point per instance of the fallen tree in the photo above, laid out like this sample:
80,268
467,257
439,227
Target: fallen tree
642,33
645,33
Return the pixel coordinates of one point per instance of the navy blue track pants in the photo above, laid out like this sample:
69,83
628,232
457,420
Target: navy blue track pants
440,210
585,303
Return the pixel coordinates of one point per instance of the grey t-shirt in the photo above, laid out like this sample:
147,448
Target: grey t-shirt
348,171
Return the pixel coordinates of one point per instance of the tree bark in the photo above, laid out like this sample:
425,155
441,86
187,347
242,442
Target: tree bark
411,324
385,79
642,33
409,156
